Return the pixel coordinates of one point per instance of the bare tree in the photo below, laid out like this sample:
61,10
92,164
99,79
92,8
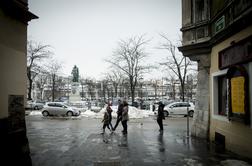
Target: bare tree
115,77
36,52
90,87
41,82
129,58
82,82
155,86
54,68
190,86
176,63
172,88
104,87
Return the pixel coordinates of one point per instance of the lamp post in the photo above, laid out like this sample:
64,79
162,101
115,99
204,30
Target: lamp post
187,114
162,84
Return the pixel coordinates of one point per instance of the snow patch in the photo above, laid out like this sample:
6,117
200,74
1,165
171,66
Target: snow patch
134,113
35,113
88,113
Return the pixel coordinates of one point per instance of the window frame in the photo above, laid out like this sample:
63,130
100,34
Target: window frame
215,95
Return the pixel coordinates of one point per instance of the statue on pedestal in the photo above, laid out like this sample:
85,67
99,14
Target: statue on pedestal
75,93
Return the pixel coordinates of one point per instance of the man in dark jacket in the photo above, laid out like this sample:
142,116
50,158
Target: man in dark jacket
160,115
119,114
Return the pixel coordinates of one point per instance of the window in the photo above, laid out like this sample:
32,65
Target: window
58,105
219,99
51,104
239,88
222,95
199,10
185,105
230,91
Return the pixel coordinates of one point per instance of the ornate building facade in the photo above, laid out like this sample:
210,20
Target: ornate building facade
217,34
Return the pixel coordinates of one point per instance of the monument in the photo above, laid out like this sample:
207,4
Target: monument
75,86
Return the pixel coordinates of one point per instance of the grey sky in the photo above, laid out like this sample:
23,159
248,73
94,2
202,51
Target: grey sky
85,32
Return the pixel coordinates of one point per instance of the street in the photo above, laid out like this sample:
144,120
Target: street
77,142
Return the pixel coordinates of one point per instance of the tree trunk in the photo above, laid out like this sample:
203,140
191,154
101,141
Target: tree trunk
132,90
53,87
116,89
183,92
132,95
30,89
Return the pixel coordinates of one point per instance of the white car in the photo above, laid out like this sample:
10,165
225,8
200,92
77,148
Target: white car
34,105
57,108
179,108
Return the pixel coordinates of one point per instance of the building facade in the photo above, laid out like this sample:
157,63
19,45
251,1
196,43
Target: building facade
14,16
218,35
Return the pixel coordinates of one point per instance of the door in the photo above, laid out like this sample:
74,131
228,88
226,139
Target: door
175,109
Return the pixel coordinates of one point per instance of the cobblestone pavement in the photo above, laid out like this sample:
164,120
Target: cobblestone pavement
78,142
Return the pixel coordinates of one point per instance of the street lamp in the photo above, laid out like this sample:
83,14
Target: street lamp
162,85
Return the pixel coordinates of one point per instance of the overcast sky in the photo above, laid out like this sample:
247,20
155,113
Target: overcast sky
85,32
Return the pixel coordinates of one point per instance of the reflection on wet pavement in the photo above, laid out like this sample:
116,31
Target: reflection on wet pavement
79,142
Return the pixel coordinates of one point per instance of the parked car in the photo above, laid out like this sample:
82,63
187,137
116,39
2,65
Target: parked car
134,104
56,108
179,108
34,105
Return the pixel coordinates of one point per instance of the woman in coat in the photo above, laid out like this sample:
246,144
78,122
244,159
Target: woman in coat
107,118
160,116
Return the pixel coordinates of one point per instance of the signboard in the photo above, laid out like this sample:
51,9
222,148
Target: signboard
219,24
238,53
238,95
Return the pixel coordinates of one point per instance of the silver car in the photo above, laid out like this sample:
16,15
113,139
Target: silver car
34,105
56,108
179,108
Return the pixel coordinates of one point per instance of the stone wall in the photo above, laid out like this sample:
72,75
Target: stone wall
14,146
200,126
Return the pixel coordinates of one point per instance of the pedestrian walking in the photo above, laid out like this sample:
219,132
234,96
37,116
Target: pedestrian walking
125,117
107,118
160,116
153,107
119,114
109,110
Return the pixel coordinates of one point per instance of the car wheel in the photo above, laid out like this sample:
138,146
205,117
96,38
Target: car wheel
36,108
69,113
45,113
191,113
166,113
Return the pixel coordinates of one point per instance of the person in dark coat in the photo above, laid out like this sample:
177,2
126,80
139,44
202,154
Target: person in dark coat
160,116
107,118
109,110
125,117
119,114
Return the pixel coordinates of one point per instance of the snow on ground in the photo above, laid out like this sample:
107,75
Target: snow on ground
88,113
134,113
35,113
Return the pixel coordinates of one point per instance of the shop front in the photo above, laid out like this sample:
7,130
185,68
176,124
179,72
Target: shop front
231,93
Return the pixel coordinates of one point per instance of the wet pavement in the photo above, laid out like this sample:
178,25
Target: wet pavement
78,142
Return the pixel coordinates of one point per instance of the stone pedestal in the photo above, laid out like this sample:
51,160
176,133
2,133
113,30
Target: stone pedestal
75,92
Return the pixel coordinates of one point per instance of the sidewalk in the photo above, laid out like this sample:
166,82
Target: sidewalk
79,143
